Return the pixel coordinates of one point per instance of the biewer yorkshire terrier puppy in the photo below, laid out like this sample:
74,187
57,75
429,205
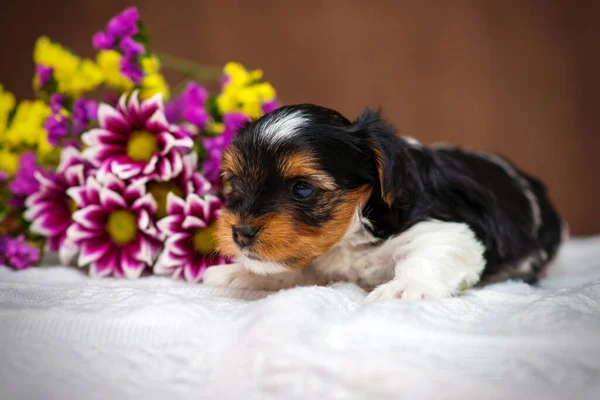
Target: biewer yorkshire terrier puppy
315,198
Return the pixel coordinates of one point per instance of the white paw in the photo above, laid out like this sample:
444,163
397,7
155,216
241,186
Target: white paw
233,276
397,289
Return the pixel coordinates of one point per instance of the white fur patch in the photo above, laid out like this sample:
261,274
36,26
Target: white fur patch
261,267
276,130
431,259
412,141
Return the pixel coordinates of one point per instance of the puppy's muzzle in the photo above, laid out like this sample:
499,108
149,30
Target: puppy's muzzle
244,235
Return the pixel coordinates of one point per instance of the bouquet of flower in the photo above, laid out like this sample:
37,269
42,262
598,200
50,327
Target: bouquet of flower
128,184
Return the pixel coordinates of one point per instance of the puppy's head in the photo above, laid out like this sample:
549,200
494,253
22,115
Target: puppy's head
297,176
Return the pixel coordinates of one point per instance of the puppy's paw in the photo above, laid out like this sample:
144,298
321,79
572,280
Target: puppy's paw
398,289
233,276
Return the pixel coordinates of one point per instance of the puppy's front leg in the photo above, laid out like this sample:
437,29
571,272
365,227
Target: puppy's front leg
237,276
433,259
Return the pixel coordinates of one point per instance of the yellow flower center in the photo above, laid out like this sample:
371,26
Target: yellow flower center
122,227
159,191
204,240
72,206
141,146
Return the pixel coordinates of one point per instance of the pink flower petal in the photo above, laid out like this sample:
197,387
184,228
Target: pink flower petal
176,163
33,199
100,137
77,233
91,217
93,249
134,191
112,120
133,107
131,267
126,170
112,182
69,156
165,142
111,200
46,182
164,170
151,165
51,224
75,175
139,249
145,202
97,155
170,224
194,269
105,265
167,261
179,244
175,204
157,122
78,194
67,251
193,222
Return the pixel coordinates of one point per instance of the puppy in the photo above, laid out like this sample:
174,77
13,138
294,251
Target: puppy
315,198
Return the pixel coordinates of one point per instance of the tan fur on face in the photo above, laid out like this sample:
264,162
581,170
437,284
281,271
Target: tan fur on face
387,197
284,240
304,164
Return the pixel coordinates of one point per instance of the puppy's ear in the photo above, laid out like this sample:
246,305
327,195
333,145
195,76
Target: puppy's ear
385,149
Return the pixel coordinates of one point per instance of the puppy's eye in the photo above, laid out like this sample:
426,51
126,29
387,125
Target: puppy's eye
302,190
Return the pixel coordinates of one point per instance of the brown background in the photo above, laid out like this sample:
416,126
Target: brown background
518,77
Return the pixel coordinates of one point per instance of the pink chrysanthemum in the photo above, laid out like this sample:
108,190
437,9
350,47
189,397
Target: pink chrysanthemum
189,228
136,140
114,228
188,181
50,208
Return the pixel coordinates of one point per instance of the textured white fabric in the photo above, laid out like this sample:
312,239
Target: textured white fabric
66,336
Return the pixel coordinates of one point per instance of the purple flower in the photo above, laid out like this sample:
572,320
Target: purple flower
56,102
114,228
102,41
131,48
18,253
44,74
123,24
214,146
50,208
3,176
194,98
135,140
131,69
24,182
271,105
83,113
57,126
174,109
190,245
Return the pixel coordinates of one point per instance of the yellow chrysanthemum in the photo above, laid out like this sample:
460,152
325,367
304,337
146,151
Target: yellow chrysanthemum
7,103
73,75
243,91
240,76
108,60
9,161
151,65
153,84
27,125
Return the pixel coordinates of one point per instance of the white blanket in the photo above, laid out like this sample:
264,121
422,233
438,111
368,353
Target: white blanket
66,336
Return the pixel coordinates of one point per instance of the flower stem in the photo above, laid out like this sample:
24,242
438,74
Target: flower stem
198,72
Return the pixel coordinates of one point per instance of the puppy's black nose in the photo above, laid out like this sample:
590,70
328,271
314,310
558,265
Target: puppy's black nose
243,235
